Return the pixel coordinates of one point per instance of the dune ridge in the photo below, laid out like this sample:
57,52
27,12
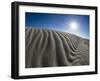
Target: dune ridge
48,48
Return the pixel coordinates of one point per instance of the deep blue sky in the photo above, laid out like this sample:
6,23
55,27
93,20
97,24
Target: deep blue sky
59,22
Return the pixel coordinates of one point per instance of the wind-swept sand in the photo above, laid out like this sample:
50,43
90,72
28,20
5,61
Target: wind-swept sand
48,48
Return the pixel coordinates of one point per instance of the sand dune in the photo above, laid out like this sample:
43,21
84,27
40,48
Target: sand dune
48,48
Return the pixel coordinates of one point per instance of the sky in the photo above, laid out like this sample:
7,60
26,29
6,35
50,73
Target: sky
76,24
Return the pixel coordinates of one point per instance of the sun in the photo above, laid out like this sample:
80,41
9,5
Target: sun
74,25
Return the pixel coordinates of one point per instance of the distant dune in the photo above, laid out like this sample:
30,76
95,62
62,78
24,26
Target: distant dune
48,48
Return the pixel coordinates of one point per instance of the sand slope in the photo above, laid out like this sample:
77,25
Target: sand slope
46,48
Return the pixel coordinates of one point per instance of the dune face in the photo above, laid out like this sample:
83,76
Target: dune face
48,48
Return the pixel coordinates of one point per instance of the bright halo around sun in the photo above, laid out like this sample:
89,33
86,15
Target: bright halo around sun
74,25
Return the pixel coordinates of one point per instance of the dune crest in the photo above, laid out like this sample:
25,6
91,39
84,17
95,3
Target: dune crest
48,48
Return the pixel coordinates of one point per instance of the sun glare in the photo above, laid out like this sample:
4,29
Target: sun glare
74,25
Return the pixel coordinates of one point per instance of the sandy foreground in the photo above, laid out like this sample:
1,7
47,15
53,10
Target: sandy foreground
48,48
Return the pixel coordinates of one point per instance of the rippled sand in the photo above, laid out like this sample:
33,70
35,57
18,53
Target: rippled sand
48,48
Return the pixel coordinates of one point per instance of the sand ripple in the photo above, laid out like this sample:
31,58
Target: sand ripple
47,48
